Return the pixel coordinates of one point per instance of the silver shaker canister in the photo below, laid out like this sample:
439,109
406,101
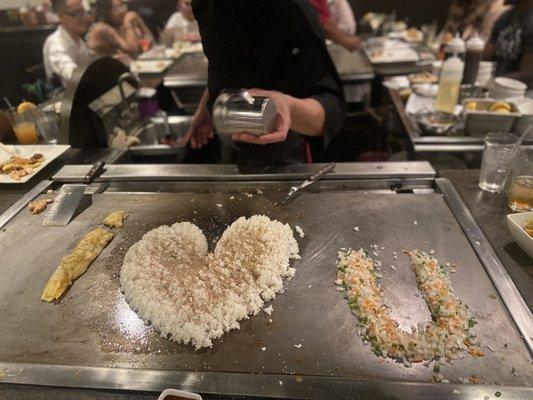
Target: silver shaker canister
238,111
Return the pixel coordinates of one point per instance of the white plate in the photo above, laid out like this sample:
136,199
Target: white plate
149,66
49,151
516,224
393,56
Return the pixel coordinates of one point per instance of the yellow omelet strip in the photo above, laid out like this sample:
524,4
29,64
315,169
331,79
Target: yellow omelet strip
75,264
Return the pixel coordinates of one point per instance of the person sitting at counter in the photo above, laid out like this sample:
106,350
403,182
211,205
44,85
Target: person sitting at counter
472,16
118,31
65,50
342,14
511,42
182,25
278,46
331,29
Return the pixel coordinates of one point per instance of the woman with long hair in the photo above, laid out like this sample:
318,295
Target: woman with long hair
118,30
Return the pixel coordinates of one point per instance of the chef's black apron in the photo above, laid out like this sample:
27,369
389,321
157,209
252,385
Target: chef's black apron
271,45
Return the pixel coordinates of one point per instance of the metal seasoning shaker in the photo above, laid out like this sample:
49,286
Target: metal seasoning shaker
238,111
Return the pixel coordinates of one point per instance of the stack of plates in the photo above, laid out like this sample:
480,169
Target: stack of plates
485,73
506,88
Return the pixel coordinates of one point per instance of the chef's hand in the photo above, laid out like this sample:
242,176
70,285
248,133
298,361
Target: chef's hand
201,129
352,43
283,120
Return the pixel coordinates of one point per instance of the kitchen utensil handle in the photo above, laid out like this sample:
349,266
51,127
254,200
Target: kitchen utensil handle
94,172
324,170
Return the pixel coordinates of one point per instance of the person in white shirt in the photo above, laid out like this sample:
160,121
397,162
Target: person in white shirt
64,50
182,24
342,13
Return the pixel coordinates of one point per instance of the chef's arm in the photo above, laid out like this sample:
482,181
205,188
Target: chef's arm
307,116
333,32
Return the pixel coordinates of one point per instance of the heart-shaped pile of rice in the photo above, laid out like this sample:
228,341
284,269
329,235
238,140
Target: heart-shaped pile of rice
192,296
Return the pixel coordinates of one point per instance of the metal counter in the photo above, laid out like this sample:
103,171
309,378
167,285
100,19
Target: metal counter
352,67
422,143
91,338
405,68
190,70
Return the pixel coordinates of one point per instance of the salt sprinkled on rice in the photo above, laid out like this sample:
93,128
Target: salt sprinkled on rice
192,296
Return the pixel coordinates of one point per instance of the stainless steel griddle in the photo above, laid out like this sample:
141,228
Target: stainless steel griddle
91,338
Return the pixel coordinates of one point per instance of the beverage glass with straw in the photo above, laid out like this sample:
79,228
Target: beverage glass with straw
24,124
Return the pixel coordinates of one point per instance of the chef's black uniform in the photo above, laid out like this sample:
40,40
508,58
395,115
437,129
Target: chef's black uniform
271,45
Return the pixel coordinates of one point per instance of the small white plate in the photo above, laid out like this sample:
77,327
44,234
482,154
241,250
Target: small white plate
386,56
168,394
149,66
516,223
49,151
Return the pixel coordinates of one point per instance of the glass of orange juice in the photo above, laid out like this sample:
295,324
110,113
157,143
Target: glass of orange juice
24,125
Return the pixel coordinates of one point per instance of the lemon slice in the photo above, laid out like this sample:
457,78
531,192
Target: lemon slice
500,106
25,106
471,105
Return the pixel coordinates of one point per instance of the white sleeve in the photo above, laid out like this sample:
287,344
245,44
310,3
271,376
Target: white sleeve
346,22
175,21
61,62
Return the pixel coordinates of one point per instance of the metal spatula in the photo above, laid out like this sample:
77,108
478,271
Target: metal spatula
69,197
312,179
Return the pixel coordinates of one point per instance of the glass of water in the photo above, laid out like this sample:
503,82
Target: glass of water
498,154
48,125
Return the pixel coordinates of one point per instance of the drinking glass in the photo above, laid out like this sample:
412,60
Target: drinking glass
430,32
498,154
520,195
48,125
24,125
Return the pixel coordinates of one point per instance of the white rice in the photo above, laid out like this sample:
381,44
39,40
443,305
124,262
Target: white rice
192,296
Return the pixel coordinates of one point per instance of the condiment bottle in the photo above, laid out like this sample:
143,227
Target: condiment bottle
455,46
474,53
451,76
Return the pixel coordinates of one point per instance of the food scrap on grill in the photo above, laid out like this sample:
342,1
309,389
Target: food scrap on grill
38,206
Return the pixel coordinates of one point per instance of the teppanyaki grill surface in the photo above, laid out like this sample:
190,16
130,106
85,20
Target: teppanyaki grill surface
312,332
